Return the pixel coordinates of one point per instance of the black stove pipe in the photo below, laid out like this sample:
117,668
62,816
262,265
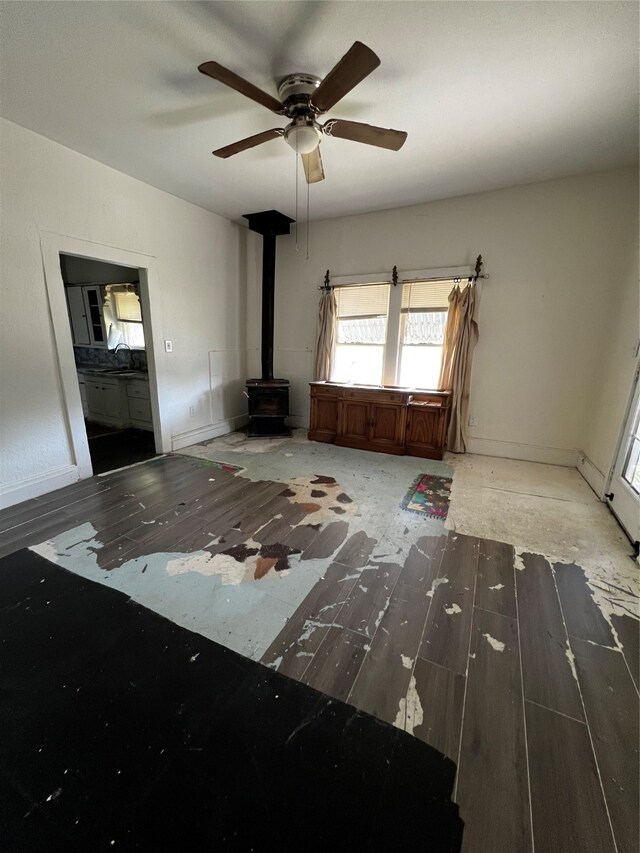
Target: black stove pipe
271,224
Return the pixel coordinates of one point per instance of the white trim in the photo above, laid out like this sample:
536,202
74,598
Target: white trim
527,452
196,436
594,477
51,245
39,484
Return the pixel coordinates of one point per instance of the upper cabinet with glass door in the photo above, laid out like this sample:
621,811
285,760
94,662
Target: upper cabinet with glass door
85,314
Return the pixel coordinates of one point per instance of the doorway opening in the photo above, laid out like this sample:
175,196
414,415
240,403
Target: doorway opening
109,335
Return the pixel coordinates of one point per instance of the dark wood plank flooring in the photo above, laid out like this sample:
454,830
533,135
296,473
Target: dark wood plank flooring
512,673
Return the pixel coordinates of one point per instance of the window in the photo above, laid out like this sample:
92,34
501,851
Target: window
391,336
423,317
361,334
123,316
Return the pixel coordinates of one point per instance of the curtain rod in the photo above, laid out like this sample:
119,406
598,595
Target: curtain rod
395,279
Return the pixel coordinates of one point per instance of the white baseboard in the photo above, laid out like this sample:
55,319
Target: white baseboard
591,474
526,452
39,484
197,436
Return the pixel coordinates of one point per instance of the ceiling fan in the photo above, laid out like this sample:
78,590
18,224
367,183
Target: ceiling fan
303,98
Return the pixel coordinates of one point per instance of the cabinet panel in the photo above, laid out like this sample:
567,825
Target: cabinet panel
354,420
111,399
93,309
324,418
77,316
138,389
140,411
387,424
373,395
95,400
426,428
104,402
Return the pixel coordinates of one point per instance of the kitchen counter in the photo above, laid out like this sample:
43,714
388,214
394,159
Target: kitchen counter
117,372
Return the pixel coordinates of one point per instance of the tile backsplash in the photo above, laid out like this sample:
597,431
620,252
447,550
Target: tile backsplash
97,357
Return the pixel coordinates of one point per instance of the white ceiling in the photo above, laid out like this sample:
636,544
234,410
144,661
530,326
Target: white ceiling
492,94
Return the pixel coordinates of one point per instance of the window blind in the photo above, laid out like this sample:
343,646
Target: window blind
426,295
371,300
127,306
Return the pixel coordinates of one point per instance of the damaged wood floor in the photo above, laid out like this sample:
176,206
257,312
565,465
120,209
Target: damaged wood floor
511,671
503,662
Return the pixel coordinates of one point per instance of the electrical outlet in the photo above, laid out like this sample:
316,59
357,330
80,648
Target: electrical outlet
168,346
192,411
473,421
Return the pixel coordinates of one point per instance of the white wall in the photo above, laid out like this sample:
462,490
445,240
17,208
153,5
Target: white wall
199,303
562,256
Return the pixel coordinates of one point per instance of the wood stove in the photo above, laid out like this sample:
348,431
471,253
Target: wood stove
268,397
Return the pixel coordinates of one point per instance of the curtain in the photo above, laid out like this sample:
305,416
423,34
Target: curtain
327,312
460,338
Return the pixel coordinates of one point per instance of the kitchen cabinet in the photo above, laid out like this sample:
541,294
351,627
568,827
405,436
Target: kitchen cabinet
78,316
83,394
389,420
139,405
105,402
84,304
116,401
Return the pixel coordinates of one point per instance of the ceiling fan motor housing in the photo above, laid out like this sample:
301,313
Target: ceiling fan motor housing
295,90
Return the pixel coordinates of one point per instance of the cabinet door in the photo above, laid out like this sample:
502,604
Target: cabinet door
111,399
426,431
104,402
140,412
93,307
78,316
354,419
95,400
387,424
324,418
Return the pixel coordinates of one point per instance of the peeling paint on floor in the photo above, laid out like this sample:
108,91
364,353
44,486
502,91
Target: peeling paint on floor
410,711
495,644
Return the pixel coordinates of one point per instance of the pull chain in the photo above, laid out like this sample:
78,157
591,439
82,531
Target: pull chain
297,170
307,258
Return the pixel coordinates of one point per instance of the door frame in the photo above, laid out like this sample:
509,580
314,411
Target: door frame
622,447
51,247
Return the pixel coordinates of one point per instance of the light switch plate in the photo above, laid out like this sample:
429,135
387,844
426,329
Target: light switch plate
168,346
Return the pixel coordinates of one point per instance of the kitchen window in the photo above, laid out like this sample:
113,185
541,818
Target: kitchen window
123,316
391,336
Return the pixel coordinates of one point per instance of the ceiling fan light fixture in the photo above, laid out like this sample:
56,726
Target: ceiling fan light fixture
303,138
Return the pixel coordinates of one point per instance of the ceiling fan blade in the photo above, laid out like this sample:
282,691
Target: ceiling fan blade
367,133
249,142
355,65
229,78
313,168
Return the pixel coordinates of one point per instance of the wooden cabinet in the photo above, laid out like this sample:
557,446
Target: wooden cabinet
371,424
427,422
390,420
324,413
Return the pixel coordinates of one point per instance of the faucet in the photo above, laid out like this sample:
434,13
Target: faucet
122,344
